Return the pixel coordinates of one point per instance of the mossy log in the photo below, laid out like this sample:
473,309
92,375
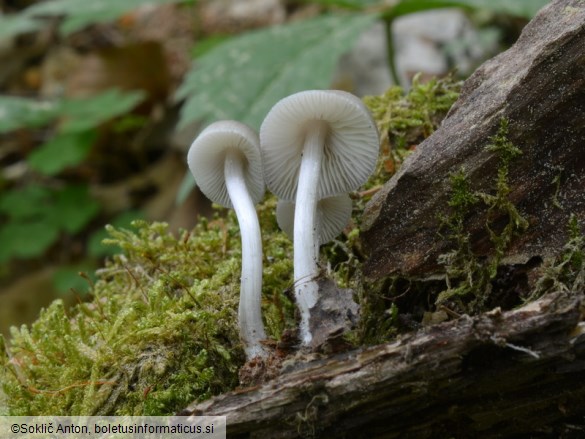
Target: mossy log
499,373
537,86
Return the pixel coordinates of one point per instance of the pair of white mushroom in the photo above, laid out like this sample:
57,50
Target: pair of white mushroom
313,145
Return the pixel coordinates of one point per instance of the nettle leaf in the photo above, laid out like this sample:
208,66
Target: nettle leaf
244,77
62,151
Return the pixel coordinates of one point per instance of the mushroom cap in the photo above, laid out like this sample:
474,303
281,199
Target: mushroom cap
206,159
333,214
351,145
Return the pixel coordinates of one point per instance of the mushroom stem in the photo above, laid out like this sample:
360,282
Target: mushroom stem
249,311
306,244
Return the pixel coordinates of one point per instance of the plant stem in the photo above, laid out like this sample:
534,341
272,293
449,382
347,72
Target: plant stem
249,311
390,50
306,246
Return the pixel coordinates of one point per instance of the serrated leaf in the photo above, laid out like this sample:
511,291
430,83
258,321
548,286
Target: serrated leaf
62,151
244,77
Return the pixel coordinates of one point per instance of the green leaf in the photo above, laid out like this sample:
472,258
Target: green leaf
244,77
62,151
73,208
80,114
21,112
27,203
519,8
81,13
85,114
26,240
36,215
206,44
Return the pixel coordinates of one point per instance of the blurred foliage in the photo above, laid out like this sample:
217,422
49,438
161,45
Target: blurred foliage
35,215
518,8
263,66
78,14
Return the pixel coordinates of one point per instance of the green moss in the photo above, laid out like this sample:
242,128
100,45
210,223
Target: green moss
566,274
160,330
406,120
468,276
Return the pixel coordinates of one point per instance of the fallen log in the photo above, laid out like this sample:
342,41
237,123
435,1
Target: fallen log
499,373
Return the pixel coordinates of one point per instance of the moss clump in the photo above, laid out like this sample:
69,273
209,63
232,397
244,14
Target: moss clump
160,330
466,274
566,274
406,120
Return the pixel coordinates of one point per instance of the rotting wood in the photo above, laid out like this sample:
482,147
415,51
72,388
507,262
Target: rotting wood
499,373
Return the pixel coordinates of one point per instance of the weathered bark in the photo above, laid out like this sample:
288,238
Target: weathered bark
539,86
500,374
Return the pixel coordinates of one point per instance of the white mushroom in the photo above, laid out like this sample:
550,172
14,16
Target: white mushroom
225,161
333,214
315,144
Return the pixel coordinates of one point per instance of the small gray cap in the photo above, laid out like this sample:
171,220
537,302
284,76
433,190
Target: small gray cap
333,214
351,146
206,159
